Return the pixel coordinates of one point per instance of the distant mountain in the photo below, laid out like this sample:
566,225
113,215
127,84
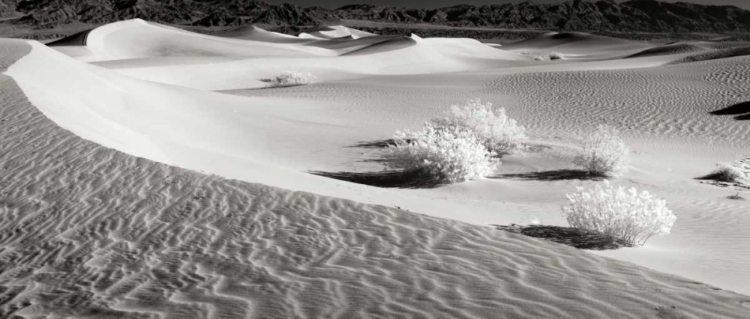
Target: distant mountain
573,15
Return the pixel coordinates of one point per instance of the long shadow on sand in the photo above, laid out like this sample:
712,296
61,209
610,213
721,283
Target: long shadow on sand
386,179
574,237
741,110
375,144
556,175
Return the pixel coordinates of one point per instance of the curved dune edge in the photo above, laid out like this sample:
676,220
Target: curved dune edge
88,230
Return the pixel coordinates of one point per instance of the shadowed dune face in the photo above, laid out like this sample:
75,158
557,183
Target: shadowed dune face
577,43
253,33
669,49
385,46
90,231
353,43
78,39
715,54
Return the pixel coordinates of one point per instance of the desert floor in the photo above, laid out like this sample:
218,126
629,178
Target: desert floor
152,173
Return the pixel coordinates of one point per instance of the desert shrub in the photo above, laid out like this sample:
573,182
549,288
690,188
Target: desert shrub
292,78
604,153
727,173
550,56
556,56
618,212
492,126
449,154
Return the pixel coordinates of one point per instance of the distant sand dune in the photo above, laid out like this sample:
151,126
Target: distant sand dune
384,46
345,45
254,33
576,43
335,32
677,48
89,231
241,57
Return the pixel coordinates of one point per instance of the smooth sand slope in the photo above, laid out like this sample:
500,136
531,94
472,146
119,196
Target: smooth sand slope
90,232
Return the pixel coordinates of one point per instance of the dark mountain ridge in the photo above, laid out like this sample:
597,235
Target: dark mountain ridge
573,15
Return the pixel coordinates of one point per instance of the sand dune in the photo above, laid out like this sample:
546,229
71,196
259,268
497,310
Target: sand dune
139,39
146,90
577,45
89,231
669,49
334,32
384,46
663,110
254,33
347,45
716,54
162,54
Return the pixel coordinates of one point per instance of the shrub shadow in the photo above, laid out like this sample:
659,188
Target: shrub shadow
375,144
741,110
574,237
556,175
386,179
717,177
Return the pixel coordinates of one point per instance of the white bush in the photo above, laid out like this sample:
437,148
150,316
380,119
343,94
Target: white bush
604,153
454,155
491,126
625,214
556,56
550,56
292,78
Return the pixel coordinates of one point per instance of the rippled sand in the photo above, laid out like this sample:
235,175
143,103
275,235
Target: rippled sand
91,231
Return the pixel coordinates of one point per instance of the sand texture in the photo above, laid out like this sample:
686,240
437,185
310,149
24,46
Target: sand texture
89,231
151,173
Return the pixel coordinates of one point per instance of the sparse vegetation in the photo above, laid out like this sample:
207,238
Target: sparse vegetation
550,56
604,153
461,146
291,78
618,212
450,154
492,126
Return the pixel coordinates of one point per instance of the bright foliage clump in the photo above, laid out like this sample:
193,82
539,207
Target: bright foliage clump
604,153
491,126
618,212
450,154
292,78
